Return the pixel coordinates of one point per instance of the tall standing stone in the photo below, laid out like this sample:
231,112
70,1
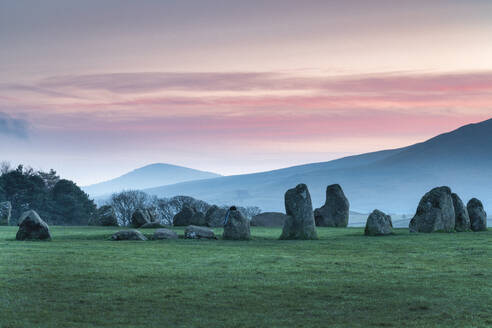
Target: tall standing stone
31,227
300,221
189,216
435,212
237,226
378,224
462,219
478,217
335,212
106,216
139,218
215,216
5,212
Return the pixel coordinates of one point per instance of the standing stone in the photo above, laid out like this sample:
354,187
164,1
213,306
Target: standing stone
462,219
161,234
378,224
139,218
128,235
31,227
335,212
106,216
478,217
189,216
300,221
435,212
151,215
215,216
269,219
237,226
5,211
195,232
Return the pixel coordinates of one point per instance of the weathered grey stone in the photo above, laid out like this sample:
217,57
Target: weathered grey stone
128,235
5,212
152,225
189,216
300,221
335,212
462,219
215,216
269,219
106,216
139,218
378,224
478,217
435,212
196,232
32,227
237,226
160,234
151,215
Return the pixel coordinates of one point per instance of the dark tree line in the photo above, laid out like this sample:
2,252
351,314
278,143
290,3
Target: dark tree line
57,201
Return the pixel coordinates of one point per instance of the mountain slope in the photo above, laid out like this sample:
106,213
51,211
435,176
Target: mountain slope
147,177
392,180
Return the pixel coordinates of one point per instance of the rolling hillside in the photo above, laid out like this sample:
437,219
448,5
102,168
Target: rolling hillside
391,180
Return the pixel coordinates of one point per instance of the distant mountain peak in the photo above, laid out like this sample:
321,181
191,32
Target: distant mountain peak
148,176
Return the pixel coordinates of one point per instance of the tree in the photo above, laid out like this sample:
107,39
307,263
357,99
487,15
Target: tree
57,201
50,178
25,190
69,205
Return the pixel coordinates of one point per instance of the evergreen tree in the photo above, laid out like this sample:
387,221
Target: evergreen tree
59,202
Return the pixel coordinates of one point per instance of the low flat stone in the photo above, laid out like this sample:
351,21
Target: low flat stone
128,235
161,234
196,232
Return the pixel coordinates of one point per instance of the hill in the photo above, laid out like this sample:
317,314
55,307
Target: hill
147,177
391,180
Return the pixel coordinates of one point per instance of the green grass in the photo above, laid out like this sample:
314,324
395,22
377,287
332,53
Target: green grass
80,279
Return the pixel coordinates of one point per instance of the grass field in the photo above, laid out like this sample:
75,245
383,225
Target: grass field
80,279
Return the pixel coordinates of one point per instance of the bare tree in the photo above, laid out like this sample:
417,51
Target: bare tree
167,208
127,202
249,211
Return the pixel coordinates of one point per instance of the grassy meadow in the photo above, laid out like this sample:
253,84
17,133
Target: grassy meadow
344,279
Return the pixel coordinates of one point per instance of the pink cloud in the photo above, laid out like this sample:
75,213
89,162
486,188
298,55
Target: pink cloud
235,81
318,108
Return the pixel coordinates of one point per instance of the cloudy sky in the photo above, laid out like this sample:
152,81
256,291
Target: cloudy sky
96,88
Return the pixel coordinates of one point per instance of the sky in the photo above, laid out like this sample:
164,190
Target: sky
95,88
